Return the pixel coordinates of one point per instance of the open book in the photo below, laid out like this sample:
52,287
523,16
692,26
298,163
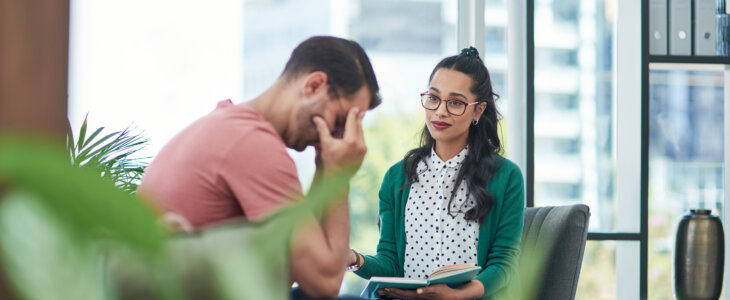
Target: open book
453,275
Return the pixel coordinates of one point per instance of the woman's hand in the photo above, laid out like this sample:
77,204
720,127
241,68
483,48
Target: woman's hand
471,290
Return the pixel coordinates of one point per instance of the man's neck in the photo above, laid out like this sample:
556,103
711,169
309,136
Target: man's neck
274,105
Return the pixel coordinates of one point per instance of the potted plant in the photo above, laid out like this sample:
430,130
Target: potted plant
111,155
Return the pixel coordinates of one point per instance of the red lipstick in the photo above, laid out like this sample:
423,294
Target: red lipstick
440,125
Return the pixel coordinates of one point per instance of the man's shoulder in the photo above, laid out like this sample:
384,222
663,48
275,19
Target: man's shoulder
240,124
241,117
228,133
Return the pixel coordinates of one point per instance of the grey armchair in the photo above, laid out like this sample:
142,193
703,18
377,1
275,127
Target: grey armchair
553,240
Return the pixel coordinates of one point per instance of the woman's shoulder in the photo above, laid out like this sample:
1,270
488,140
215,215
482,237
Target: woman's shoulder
395,177
396,170
507,167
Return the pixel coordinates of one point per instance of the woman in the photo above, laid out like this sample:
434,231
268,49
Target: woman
454,199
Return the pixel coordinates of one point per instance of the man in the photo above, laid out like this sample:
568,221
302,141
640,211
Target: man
233,162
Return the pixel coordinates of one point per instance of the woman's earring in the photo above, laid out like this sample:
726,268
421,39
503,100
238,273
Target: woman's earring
475,122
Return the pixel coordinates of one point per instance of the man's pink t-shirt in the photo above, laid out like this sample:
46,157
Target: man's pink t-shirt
230,163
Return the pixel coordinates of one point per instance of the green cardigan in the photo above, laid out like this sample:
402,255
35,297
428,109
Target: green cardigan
499,233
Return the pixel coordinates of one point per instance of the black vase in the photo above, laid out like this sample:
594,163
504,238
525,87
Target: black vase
699,256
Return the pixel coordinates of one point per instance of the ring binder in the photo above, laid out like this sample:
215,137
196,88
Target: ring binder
680,27
705,29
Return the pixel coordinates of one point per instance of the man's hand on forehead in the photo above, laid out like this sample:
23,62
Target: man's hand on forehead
343,149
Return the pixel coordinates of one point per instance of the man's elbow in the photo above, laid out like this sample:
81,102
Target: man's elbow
324,287
319,276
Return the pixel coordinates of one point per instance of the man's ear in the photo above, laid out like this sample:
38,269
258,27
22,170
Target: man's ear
314,83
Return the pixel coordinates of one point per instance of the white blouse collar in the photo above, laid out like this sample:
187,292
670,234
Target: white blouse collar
454,162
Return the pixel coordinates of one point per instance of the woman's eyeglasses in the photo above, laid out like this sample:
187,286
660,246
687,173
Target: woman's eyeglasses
453,106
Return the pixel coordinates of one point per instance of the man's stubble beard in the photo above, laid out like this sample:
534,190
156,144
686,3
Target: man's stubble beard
306,131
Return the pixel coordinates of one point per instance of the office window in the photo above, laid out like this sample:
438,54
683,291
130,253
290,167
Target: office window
599,255
573,101
566,11
558,102
131,66
496,39
573,116
565,101
564,193
383,26
554,57
495,49
686,125
499,82
567,145
564,57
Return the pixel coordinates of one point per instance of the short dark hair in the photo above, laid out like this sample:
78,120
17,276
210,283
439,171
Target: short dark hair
344,61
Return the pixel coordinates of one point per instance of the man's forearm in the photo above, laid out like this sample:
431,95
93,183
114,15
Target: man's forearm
336,227
336,220
320,251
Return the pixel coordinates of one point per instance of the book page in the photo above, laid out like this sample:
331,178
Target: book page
397,279
451,269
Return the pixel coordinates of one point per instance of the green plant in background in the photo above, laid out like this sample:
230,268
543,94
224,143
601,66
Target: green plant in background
67,233
52,215
111,155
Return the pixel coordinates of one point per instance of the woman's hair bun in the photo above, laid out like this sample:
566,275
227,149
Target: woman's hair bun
471,51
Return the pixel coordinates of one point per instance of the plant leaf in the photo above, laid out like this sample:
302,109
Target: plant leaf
82,132
88,204
110,155
87,150
92,136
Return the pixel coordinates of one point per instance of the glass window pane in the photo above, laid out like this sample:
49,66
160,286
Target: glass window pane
496,37
574,107
598,271
686,170
418,31
157,68
268,42
495,49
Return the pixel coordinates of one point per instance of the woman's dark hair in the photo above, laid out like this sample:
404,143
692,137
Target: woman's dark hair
480,163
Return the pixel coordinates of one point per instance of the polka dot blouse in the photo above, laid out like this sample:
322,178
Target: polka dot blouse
435,237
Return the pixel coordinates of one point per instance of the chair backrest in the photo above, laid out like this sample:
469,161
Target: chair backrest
554,238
